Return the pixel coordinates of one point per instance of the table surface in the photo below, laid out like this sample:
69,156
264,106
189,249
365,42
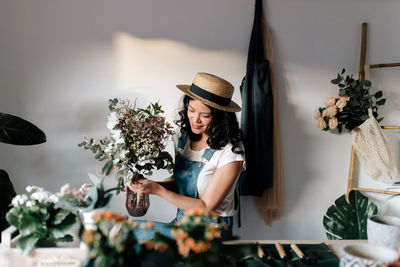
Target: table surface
73,256
334,245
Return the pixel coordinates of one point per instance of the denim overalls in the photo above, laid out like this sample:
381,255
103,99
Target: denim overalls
185,174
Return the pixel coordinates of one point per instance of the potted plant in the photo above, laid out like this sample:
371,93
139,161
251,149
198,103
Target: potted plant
88,199
196,241
38,218
112,242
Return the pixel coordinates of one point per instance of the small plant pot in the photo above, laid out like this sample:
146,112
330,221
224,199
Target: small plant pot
137,204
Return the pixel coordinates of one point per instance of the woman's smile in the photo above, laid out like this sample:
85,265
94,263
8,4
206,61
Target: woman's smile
199,117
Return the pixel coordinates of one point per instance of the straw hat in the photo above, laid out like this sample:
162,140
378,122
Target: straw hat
212,91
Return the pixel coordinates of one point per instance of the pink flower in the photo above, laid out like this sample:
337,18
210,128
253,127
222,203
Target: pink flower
325,113
333,123
317,114
65,189
341,103
330,101
321,124
331,111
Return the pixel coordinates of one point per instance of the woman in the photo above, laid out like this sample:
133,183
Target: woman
209,153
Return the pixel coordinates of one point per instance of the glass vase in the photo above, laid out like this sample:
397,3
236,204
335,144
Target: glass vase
137,204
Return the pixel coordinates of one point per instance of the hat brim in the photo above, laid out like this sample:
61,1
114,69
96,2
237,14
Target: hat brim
232,107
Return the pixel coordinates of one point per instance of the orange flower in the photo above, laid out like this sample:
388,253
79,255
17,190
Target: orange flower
183,250
162,248
149,244
198,211
118,218
190,242
108,215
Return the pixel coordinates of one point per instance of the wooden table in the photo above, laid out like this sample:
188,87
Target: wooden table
72,254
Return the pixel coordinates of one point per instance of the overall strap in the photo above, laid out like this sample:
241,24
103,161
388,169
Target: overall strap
182,140
208,153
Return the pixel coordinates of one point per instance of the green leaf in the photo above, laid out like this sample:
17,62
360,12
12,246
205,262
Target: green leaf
67,223
60,216
66,238
343,71
95,180
364,117
107,168
29,224
12,216
381,102
378,94
342,92
367,83
17,131
344,221
27,243
380,119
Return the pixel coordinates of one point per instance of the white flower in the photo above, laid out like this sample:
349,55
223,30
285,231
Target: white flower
116,135
30,204
109,148
53,198
19,200
33,188
112,120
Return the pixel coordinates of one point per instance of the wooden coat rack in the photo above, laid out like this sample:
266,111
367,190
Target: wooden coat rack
361,77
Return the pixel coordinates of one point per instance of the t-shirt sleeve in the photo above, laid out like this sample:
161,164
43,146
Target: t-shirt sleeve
227,156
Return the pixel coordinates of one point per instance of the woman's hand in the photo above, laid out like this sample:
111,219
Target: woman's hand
144,186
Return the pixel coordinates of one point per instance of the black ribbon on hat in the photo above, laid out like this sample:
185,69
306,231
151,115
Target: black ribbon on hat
222,101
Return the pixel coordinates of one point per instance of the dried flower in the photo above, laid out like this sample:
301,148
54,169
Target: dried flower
136,143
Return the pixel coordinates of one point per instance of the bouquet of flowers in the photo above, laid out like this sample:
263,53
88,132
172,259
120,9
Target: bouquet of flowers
196,241
135,146
88,196
112,242
350,108
37,218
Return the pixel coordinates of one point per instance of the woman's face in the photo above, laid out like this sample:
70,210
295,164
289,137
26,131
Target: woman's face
200,117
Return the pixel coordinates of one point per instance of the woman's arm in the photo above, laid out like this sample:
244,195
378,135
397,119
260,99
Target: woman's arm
169,184
217,189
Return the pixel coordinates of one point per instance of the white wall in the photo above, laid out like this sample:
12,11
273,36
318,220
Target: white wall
60,61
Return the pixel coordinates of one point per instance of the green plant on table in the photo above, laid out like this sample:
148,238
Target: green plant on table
196,241
37,218
88,197
112,243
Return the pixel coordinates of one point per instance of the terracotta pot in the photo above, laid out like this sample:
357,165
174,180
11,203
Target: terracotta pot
137,207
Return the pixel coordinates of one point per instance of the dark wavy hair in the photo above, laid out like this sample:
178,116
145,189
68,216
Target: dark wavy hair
224,128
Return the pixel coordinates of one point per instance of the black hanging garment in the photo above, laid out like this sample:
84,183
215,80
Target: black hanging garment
257,115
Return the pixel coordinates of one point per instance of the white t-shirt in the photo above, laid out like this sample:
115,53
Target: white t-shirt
220,158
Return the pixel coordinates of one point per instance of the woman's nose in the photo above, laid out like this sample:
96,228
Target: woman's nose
197,118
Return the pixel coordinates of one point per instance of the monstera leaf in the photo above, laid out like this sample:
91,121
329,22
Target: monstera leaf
17,131
344,221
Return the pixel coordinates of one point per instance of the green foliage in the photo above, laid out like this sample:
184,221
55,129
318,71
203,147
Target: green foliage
37,218
17,131
136,143
360,100
344,221
350,108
